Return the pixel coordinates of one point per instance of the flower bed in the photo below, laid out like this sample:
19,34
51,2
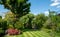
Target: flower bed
13,31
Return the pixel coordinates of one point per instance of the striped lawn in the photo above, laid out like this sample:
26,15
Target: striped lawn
33,34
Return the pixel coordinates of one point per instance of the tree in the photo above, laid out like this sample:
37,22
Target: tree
53,18
18,7
0,21
38,21
19,25
3,27
10,18
58,23
26,20
1,17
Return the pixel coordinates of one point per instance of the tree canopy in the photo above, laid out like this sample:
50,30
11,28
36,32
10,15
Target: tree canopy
19,7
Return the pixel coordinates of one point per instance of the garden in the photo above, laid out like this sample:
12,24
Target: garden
19,22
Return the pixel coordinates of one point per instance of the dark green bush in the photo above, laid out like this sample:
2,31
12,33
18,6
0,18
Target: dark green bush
2,32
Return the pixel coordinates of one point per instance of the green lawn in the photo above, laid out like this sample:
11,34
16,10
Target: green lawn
37,33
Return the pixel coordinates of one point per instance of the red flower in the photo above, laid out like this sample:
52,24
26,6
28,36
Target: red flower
12,31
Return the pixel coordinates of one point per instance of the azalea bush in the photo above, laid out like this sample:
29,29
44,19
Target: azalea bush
12,31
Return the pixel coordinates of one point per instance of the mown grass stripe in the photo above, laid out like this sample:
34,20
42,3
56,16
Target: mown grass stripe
34,34
40,34
24,34
43,34
29,33
19,35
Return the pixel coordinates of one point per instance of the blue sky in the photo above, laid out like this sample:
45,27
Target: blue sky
39,6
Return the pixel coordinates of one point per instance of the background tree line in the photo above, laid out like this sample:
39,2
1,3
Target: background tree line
31,21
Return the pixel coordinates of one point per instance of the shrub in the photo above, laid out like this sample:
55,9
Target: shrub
2,32
19,25
12,31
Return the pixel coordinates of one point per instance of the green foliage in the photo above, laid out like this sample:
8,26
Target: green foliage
39,20
1,31
19,7
51,21
26,20
3,27
58,24
0,17
10,18
3,24
19,25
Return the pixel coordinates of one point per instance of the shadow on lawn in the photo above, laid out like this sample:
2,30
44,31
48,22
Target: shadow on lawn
24,30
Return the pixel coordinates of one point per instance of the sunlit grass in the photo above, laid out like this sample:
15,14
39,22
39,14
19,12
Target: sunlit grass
38,33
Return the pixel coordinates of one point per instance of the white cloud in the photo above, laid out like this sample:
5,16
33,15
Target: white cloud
46,13
55,0
55,3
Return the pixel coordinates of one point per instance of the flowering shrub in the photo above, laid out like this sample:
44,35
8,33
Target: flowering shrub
13,31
